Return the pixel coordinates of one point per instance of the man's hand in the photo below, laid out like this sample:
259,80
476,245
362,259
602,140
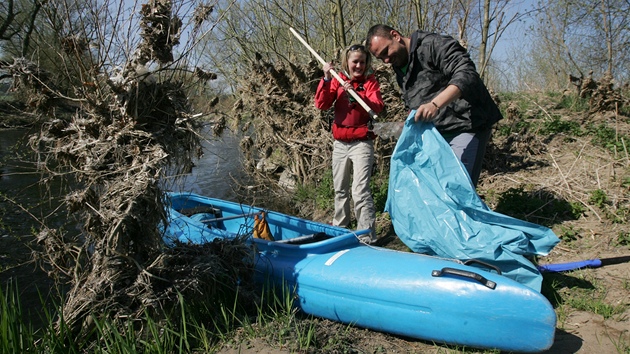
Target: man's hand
426,112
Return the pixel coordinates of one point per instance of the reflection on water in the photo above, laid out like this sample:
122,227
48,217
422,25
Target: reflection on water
216,171
20,183
17,169
19,177
213,175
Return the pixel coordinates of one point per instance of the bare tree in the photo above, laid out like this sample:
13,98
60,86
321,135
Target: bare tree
259,37
493,23
30,26
7,17
582,36
340,34
17,23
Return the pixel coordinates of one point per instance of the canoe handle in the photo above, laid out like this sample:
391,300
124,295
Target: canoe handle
466,274
488,265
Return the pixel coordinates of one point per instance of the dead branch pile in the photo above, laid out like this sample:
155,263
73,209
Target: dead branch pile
195,271
290,136
160,32
291,142
31,82
128,130
602,94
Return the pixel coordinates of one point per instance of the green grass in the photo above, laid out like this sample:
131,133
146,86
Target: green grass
534,117
557,125
618,212
516,127
579,290
623,238
186,331
523,101
379,186
16,336
275,318
276,322
538,206
608,138
322,192
574,103
590,303
598,198
621,344
569,234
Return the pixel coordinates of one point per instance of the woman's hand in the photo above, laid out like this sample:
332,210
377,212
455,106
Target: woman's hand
326,68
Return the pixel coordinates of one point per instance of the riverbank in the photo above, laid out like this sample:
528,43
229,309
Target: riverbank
549,164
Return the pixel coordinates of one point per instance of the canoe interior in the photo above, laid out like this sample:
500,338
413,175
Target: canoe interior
230,220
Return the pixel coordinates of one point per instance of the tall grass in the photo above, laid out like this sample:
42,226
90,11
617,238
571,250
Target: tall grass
190,330
15,335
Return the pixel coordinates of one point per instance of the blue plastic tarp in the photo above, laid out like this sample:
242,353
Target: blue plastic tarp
436,210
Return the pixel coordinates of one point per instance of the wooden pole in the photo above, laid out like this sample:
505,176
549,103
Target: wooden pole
335,75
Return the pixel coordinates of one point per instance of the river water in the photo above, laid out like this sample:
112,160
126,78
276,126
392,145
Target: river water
213,175
217,170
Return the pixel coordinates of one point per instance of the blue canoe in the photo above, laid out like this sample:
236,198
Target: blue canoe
337,277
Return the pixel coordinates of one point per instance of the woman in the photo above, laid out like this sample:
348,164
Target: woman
353,149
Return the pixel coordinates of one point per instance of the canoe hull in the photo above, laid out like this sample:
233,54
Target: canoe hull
402,293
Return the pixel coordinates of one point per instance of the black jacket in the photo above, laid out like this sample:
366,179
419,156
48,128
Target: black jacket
435,61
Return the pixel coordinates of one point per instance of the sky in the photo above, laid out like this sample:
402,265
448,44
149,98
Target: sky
516,35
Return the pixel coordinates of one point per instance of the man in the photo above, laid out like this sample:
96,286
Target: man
440,81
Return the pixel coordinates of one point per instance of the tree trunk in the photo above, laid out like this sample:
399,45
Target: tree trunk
608,36
7,21
485,30
31,26
419,18
342,28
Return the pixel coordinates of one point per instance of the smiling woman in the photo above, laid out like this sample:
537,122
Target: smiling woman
353,148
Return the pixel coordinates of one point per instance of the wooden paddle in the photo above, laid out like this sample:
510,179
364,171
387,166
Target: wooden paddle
335,75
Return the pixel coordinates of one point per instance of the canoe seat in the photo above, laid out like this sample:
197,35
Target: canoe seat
201,209
302,240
